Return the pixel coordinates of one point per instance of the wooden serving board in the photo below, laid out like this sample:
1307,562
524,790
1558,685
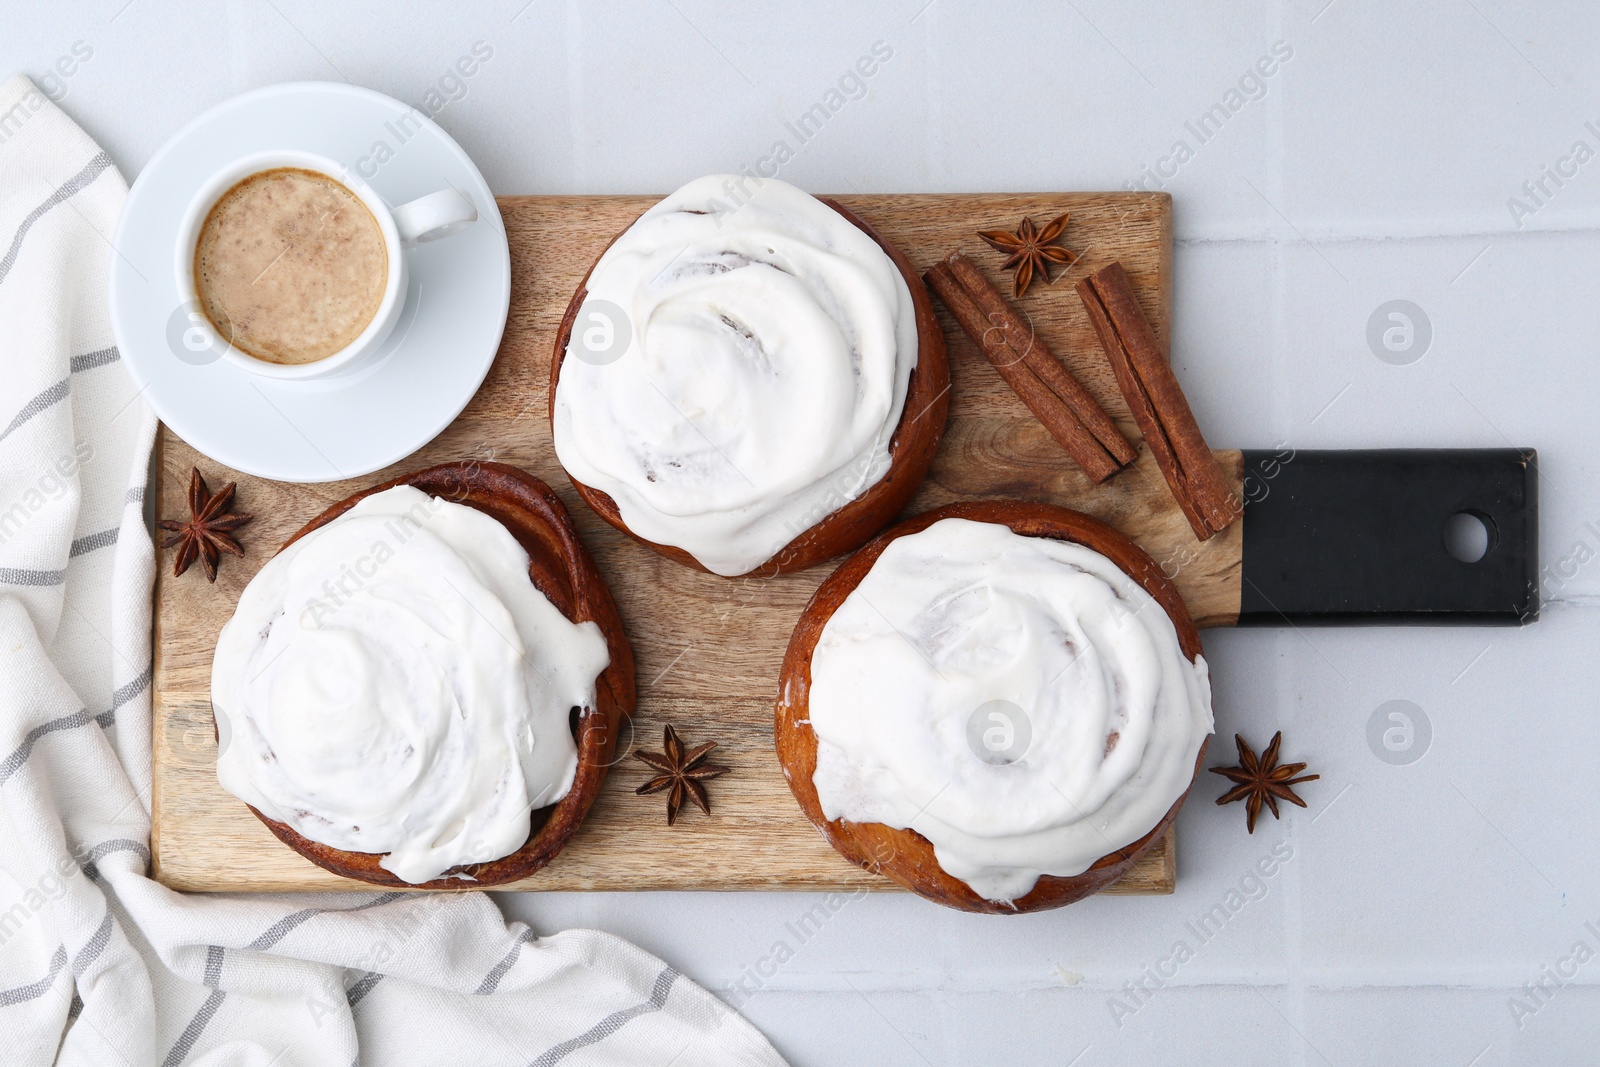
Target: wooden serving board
708,648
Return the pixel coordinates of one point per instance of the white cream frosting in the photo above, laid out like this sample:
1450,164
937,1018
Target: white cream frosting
394,683
770,343
967,621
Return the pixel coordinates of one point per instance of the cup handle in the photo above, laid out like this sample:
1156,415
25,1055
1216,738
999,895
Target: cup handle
428,218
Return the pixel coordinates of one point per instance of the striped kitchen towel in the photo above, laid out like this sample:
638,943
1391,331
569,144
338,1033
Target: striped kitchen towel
99,964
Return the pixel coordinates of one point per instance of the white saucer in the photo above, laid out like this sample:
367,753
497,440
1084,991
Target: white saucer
380,411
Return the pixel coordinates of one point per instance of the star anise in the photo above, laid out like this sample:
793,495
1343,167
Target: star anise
682,773
209,531
1031,250
1262,780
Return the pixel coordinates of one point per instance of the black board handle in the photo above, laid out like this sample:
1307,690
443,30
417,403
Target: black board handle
1358,536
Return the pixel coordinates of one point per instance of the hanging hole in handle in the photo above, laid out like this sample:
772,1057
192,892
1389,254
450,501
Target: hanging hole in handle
1468,535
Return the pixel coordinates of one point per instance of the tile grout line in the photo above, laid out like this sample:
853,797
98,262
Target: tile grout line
1237,231
1292,904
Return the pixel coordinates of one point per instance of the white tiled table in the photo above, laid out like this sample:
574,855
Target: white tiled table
1375,163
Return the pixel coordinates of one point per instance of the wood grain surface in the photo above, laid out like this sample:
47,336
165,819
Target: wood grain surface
708,649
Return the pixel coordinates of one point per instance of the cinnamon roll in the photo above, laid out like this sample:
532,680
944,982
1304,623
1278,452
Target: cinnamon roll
998,705
422,687
748,386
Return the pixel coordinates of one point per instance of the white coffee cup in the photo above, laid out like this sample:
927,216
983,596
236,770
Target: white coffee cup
427,218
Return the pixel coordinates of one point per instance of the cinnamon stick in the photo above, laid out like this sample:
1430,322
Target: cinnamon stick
1157,402
1047,406
1020,336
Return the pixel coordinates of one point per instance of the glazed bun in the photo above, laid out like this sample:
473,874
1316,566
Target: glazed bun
884,720
357,716
748,391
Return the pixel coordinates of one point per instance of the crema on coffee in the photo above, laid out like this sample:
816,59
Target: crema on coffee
290,266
